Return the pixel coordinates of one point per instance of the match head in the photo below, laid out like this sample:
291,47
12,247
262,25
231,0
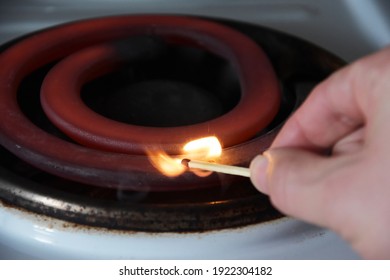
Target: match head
185,162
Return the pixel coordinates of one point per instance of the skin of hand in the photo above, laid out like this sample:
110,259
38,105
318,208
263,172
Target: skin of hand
330,163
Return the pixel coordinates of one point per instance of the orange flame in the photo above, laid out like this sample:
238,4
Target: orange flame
207,148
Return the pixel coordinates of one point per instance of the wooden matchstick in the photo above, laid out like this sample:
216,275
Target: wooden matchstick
221,168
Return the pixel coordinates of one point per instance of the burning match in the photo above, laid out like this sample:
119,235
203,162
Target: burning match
221,168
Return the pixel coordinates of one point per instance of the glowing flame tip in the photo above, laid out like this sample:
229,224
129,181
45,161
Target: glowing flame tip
207,148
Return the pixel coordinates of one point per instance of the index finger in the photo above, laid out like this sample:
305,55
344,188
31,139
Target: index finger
337,106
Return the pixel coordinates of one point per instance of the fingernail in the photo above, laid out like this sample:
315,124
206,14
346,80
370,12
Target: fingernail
258,169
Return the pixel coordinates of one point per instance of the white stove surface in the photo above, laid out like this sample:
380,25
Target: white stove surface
348,28
28,236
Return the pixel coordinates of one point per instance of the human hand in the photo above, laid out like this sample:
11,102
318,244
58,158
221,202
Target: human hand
347,190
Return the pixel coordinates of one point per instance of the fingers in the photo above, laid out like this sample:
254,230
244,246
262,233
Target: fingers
352,143
328,114
339,105
346,193
300,183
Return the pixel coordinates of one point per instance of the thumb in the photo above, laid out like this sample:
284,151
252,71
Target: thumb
296,182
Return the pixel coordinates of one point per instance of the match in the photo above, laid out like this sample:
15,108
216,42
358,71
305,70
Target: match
221,168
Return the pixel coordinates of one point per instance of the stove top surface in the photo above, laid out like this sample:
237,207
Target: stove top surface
27,187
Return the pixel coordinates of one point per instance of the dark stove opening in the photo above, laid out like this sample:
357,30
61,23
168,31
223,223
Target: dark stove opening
181,86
